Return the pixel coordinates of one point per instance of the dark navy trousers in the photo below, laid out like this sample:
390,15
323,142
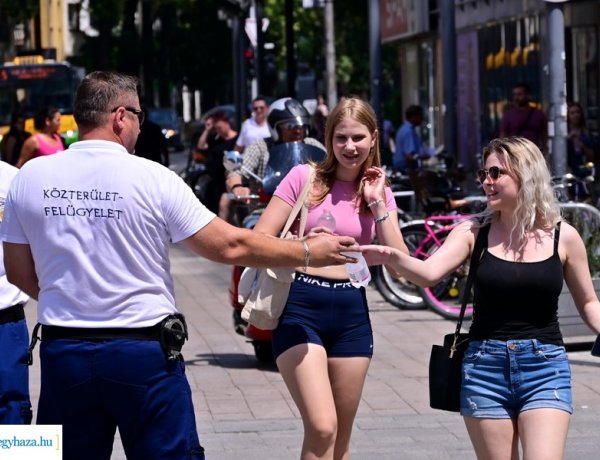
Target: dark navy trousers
15,405
92,388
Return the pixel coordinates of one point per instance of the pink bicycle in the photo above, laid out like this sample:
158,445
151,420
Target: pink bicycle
423,237
444,297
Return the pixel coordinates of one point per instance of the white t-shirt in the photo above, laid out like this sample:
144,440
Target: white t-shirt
251,132
9,294
98,221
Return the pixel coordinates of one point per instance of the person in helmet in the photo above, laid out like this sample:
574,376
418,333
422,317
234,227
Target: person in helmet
289,122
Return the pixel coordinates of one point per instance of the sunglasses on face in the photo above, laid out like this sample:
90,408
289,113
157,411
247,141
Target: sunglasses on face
137,112
494,173
259,107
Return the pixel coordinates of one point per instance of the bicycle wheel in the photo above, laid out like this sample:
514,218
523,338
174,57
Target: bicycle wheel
445,297
400,292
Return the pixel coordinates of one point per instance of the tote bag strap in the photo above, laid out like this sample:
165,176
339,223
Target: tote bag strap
480,244
300,205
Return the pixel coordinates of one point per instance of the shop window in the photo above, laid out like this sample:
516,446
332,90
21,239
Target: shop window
584,79
509,54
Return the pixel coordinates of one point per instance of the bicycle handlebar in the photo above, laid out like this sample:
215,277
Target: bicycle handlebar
250,197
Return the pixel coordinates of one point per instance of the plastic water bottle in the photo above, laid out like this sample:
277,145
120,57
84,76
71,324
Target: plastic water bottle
358,273
326,220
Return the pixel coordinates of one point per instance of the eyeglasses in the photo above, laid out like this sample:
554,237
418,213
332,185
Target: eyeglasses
259,107
137,112
494,173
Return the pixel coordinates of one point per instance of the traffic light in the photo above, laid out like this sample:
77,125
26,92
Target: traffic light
270,70
249,57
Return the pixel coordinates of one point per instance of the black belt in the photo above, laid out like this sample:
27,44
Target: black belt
12,314
108,333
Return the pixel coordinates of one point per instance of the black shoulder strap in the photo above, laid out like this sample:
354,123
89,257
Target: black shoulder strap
556,237
480,245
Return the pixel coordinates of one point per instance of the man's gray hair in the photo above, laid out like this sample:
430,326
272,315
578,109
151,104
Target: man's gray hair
99,93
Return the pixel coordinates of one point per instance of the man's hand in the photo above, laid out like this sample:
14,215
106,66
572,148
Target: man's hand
326,249
240,192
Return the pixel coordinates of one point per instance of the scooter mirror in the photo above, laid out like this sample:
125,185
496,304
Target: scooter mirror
232,160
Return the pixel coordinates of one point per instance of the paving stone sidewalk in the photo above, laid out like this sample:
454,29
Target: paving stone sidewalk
244,411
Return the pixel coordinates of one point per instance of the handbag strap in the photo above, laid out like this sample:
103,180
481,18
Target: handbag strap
300,205
480,244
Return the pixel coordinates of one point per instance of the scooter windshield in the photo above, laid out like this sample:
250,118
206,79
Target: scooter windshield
283,157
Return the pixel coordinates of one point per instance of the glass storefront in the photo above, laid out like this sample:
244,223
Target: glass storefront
509,53
582,74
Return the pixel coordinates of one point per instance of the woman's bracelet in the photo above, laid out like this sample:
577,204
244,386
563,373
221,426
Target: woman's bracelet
306,254
379,220
373,203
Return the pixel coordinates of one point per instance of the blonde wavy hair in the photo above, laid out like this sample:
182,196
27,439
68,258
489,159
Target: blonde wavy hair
537,204
362,112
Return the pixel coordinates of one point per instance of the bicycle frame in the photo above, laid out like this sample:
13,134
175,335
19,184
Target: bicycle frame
434,231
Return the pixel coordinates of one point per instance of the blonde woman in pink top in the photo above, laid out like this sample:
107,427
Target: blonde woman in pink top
323,343
46,140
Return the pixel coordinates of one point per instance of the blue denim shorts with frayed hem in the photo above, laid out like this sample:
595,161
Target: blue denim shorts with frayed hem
501,379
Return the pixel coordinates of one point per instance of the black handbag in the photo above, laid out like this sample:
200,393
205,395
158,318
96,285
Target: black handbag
445,362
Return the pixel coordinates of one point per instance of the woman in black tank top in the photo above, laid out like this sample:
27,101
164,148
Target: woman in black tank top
516,377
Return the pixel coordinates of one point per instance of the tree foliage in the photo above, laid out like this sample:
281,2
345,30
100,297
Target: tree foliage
21,10
179,41
176,42
351,41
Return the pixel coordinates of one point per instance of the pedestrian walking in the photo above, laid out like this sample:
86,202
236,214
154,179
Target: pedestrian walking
409,147
151,143
581,147
46,140
324,341
15,404
524,119
516,379
13,141
86,232
255,127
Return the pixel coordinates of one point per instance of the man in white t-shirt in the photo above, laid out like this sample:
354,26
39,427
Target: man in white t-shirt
86,232
15,405
255,127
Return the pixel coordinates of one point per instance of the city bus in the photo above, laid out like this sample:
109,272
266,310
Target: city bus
29,83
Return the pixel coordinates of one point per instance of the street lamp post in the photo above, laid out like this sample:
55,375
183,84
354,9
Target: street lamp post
259,51
450,78
375,60
330,54
557,120
232,14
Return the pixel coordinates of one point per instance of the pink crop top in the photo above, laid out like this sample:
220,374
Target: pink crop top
45,148
339,202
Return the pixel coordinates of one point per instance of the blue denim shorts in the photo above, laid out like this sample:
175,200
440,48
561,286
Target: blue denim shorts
501,379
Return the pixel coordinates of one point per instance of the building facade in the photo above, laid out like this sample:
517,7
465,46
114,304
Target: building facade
499,43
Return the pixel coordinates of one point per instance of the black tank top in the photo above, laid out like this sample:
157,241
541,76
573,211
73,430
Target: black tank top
518,300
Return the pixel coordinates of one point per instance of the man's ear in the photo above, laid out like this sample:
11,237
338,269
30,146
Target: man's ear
117,120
